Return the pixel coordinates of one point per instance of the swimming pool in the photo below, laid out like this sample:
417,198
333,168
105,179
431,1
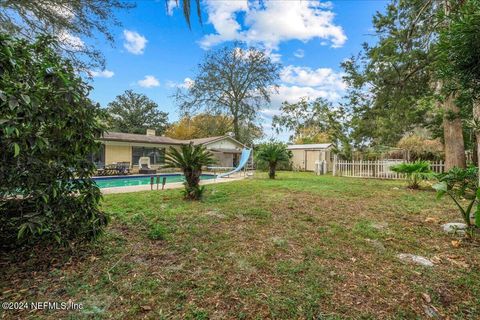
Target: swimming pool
124,181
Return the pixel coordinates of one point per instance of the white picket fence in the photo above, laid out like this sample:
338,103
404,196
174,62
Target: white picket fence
374,169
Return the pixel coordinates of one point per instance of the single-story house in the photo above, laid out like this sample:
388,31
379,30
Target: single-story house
127,147
305,155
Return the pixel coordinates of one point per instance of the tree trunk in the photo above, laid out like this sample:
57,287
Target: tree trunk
452,124
236,128
476,118
271,172
192,180
453,135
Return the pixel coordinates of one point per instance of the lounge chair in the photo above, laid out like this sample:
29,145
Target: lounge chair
123,167
100,168
144,165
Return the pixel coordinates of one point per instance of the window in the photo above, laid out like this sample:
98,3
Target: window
99,157
156,155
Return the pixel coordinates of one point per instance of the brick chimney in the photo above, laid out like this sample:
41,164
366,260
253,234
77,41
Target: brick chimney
150,132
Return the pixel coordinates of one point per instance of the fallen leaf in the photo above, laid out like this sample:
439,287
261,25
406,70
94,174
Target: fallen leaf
146,308
459,263
426,297
436,259
456,243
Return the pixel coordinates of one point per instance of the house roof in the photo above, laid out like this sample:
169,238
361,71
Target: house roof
143,138
309,146
131,137
214,139
207,140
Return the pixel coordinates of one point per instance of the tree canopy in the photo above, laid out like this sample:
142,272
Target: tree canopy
234,81
397,85
317,118
199,126
207,125
68,21
133,112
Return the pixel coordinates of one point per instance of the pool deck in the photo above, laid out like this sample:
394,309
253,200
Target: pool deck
173,185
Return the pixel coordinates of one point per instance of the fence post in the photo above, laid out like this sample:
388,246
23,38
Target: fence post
334,164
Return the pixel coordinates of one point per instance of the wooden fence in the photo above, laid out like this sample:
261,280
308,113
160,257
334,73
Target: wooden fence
374,169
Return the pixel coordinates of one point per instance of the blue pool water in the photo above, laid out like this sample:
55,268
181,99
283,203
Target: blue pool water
123,181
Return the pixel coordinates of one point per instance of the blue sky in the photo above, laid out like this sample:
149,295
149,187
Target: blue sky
155,51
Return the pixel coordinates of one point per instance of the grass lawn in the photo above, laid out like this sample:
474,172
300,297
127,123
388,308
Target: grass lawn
299,247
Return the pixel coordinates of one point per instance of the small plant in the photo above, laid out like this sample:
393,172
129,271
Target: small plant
415,172
273,154
462,184
190,159
158,232
195,192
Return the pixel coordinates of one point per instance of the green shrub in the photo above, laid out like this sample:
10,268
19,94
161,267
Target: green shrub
415,172
48,129
462,184
157,232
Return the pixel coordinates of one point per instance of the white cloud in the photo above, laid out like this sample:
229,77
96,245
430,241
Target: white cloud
70,41
269,113
295,93
305,76
303,82
101,74
271,22
299,53
134,42
187,83
63,11
149,82
171,5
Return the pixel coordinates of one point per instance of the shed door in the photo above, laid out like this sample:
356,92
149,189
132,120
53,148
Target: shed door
298,159
310,158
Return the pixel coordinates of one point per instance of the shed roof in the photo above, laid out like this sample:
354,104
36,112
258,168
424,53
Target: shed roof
309,146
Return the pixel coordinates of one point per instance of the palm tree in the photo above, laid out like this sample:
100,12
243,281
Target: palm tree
190,158
415,172
273,153
186,6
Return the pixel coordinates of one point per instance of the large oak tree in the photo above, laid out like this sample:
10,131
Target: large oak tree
133,112
233,80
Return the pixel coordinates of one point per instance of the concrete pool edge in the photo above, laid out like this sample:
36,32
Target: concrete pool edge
172,185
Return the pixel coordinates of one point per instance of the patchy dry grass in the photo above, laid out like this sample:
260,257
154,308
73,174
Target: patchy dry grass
300,247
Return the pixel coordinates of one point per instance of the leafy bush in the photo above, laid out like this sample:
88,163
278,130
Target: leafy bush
274,154
190,159
158,232
461,184
420,147
415,172
48,129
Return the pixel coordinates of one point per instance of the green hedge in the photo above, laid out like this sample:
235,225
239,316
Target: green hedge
49,128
